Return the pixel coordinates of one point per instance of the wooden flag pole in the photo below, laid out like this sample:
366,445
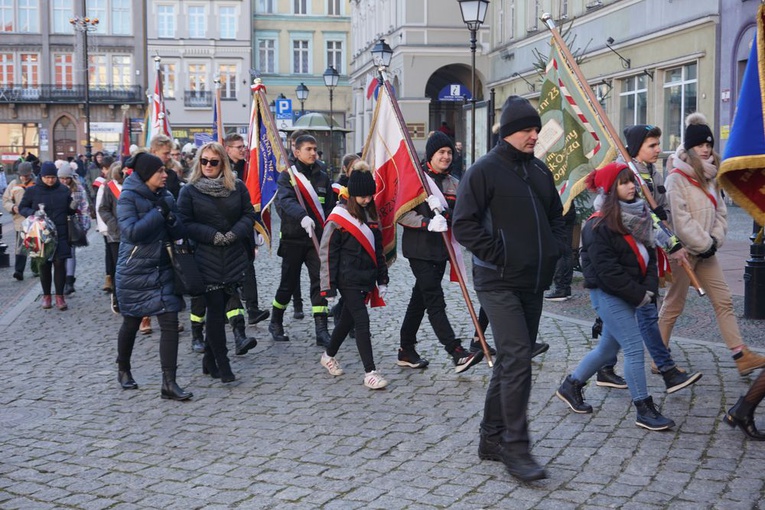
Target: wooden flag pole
547,20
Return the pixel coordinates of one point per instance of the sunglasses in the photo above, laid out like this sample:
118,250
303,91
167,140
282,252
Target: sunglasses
212,162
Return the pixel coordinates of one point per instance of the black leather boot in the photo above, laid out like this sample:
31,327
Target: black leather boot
198,337
209,367
219,349
275,327
649,417
742,415
322,335
69,285
125,378
242,342
170,389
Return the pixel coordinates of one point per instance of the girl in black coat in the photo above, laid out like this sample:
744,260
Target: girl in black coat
58,207
216,210
352,262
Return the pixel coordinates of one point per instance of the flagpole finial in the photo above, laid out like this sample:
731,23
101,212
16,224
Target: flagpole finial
257,84
547,19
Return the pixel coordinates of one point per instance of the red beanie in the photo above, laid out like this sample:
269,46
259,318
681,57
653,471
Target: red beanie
603,178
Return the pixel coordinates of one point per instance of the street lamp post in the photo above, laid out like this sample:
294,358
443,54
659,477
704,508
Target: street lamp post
473,15
331,77
381,56
301,91
84,24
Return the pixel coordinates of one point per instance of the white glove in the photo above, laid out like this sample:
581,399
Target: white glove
382,290
434,203
646,299
330,301
307,224
438,224
259,241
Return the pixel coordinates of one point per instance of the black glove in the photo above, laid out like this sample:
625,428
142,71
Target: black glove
711,251
163,208
660,213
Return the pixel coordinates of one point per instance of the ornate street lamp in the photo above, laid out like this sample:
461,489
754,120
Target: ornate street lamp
301,91
85,25
331,77
473,15
381,56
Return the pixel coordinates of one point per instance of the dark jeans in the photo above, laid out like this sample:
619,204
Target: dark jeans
514,318
427,294
58,268
249,289
111,253
354,314
198,309
483,322
293,258
564,268
168,340
215,323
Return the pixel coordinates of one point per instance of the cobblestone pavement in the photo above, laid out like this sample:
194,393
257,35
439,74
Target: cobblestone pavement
288,435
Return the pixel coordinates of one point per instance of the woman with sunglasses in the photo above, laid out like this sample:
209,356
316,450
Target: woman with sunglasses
219,218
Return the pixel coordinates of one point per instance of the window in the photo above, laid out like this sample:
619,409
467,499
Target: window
197,77
266,6
62,13
227,17
300,6
30,70
121,18
680,85
562,9
97,10
335,55
121,66
535,13
6,15
97,69
300,57
6,69
166,21
29,16
267,56
63,70
633,99
333,8
168,81
227,76
197,23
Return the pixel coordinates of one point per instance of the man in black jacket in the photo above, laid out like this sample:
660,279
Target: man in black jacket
508,214
298,226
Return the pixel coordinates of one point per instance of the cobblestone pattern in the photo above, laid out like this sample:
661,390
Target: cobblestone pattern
287,435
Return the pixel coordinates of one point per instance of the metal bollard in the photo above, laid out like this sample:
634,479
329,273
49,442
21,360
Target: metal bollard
754,283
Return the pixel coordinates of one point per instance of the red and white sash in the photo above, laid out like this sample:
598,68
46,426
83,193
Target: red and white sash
305,188
98,182
436,191
363,234
116,189
696,183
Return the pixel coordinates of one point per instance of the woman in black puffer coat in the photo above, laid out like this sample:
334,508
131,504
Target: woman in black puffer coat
57,200
219,218
148,222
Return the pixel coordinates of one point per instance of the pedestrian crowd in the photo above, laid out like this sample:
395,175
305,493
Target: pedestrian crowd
170,225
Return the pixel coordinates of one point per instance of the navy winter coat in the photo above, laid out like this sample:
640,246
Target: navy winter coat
144,278
57,200
202,219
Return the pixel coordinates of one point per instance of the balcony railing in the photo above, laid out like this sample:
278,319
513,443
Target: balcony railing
17,93
197,98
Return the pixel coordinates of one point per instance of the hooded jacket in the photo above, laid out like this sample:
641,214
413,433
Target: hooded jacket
58,206
291,212
508,215
144,277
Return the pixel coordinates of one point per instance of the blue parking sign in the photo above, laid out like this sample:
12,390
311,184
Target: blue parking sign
283,109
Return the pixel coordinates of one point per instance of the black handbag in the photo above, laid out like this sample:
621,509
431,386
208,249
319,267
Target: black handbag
77,235
188,279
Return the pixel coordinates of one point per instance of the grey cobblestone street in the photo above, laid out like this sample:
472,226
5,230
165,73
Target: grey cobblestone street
288,435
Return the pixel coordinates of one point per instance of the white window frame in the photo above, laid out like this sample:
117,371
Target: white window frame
195,19
169,78
298,5
308,52
267,36
228,90
339,66
31,67
98,70
228,22
61,12
97,9
635,93
7,69
337,7
121,11
266,6
166,24
683,83
66,68
127,70
197,78
29,11
7,16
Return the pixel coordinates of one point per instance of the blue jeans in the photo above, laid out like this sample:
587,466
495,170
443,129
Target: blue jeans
620,331
648,321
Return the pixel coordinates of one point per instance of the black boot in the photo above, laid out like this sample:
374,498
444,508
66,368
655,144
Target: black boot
649,417
69,285
242,342
255,315
125,378
275,327
220,351
571,393
170,389
198,337
209,367
297,305
322,335
742,415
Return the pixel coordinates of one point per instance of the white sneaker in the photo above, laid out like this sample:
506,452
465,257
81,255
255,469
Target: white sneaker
374,380
331,364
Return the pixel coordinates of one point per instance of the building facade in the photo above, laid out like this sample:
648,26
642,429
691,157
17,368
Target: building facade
43,75
294,42
201,45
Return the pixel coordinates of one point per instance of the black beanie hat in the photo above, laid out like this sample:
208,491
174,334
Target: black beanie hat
48,169
435,142
697,131
517,114
146,165
361,184
634,136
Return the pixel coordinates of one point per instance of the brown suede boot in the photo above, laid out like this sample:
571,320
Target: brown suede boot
747,361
